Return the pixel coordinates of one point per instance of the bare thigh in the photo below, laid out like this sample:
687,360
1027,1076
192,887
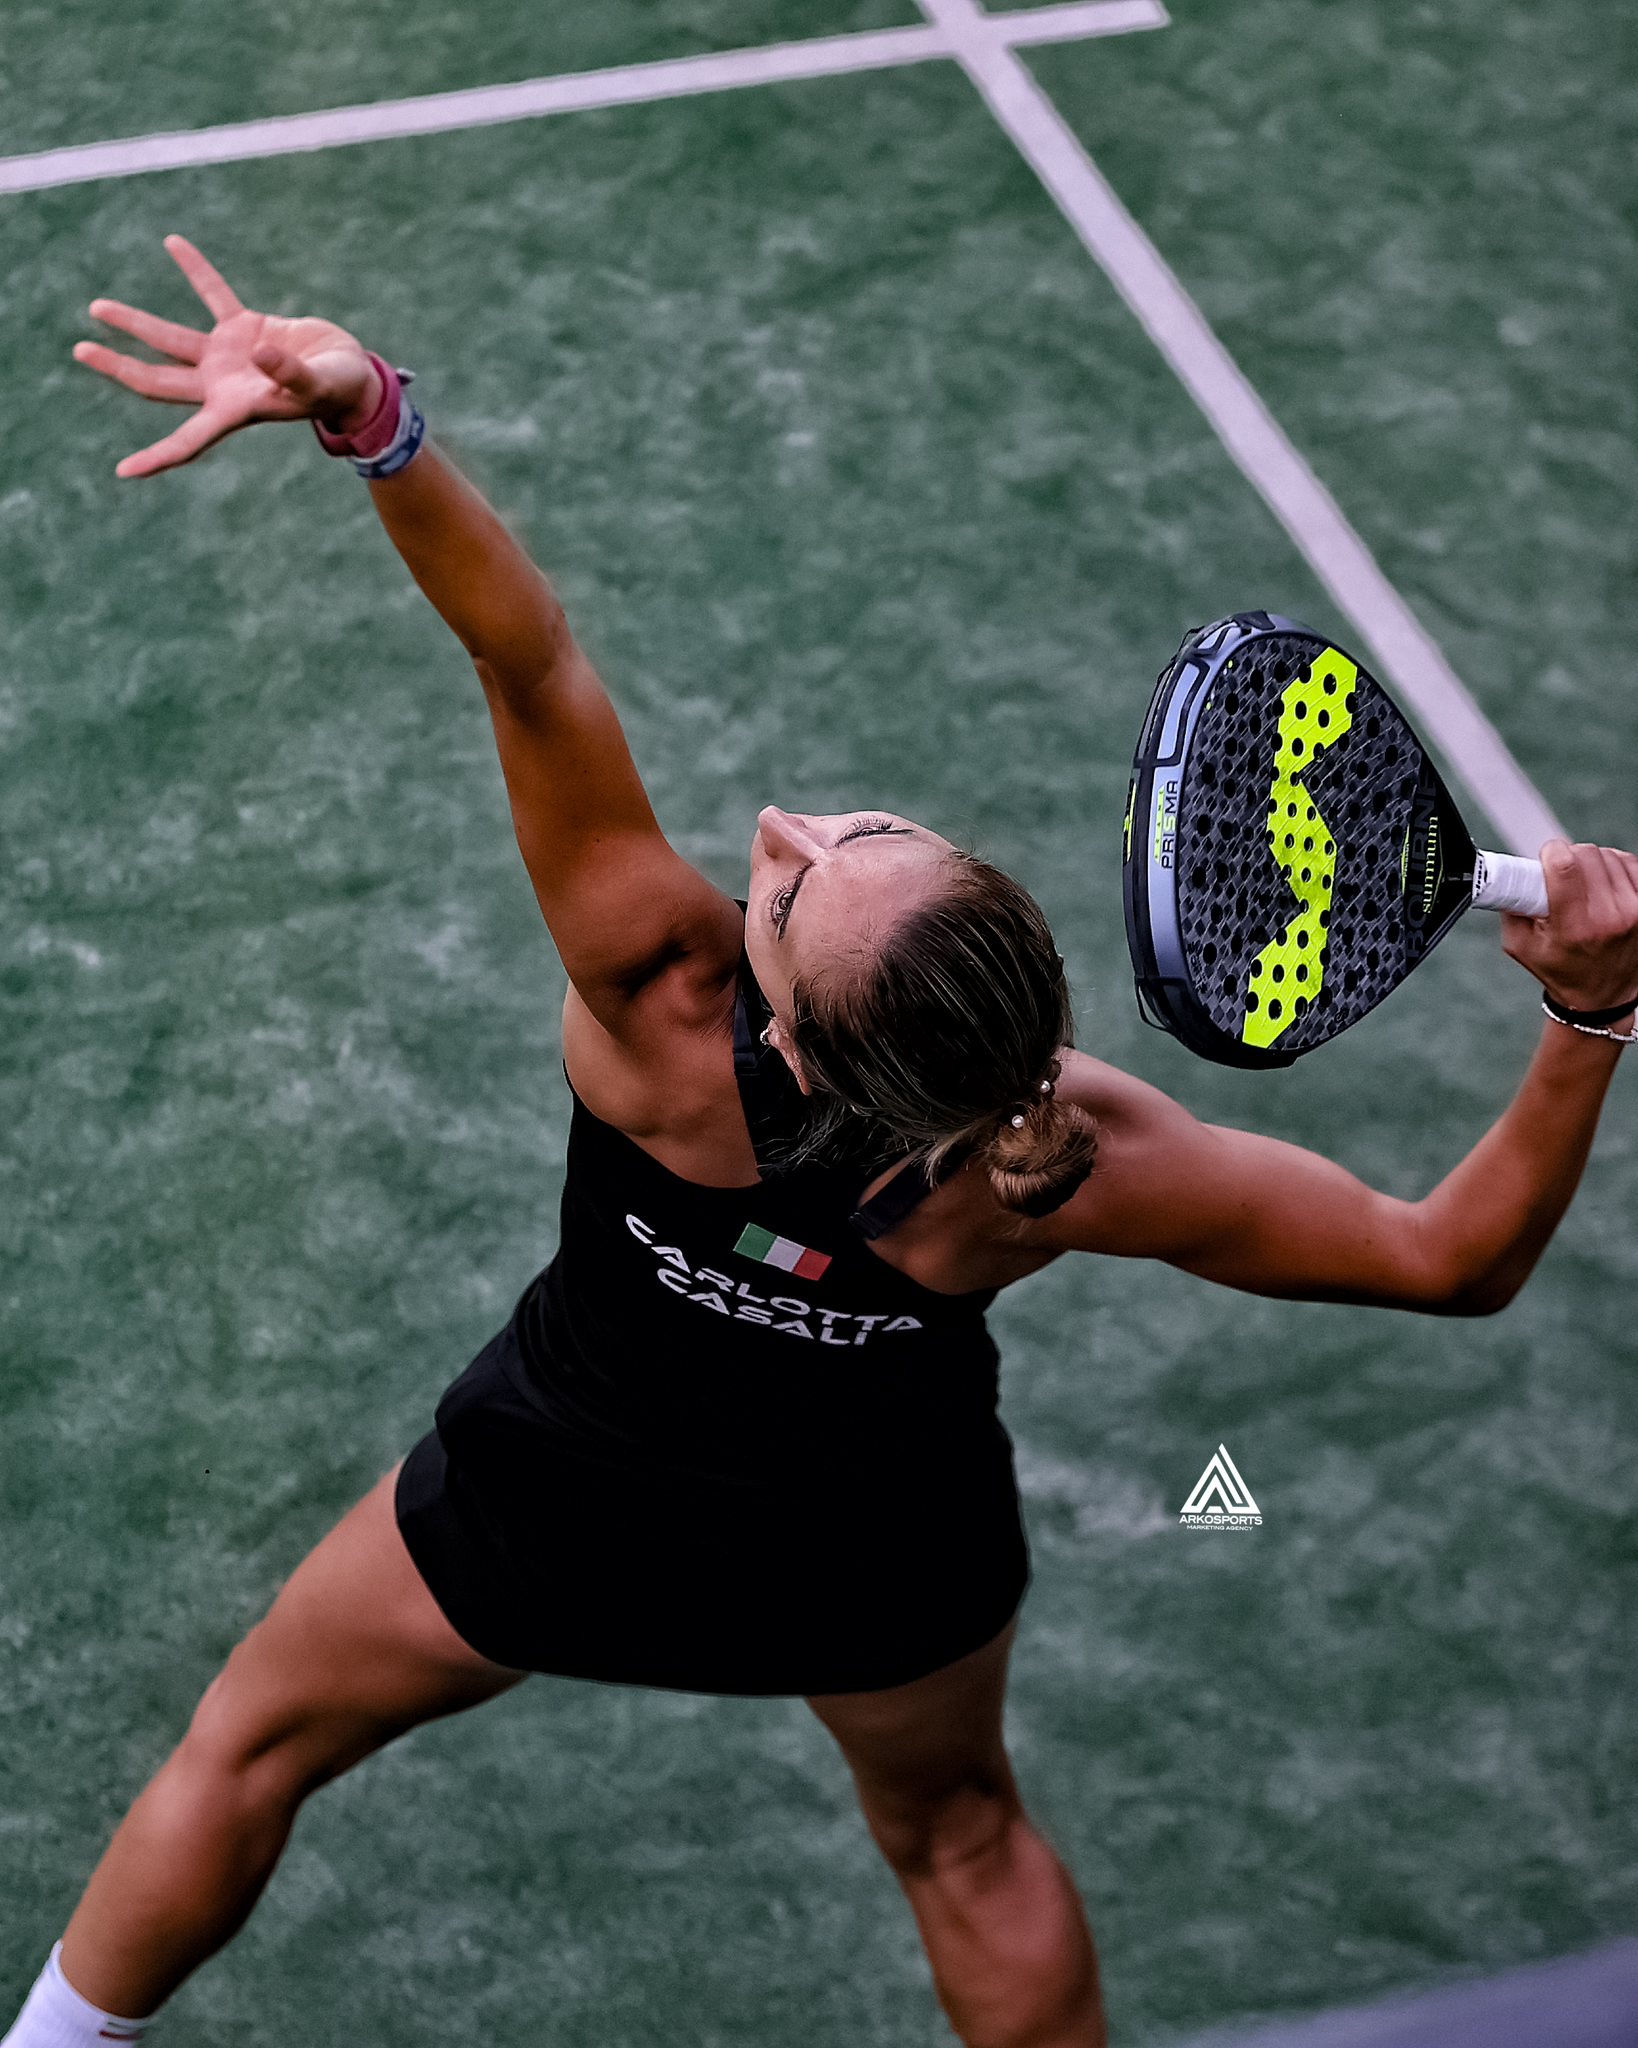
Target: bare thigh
915,1748
353,1651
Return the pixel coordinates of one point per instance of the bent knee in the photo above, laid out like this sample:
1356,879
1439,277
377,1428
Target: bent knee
961,1827
259,1729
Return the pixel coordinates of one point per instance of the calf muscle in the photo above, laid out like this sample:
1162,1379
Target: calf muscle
353,1652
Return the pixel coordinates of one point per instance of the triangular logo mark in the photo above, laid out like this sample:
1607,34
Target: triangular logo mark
1222,1499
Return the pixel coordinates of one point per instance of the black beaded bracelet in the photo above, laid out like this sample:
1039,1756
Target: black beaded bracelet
1592,1018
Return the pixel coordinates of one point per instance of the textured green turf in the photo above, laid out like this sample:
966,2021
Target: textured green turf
84,70
862,487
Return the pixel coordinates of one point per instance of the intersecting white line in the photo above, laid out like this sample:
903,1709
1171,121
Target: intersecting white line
1406,653
985,46
573,92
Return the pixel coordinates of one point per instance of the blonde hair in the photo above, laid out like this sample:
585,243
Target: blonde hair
944,1037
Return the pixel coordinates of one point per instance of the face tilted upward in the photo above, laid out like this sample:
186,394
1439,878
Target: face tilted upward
825,888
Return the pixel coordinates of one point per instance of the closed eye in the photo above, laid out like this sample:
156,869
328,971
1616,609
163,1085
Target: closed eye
779,906
868,828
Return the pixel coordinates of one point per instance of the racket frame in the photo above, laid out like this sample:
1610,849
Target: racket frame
1166,996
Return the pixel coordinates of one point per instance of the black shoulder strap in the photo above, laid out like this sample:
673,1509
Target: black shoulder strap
889,1206
912,1184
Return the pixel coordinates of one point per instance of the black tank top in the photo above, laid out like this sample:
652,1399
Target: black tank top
750,1334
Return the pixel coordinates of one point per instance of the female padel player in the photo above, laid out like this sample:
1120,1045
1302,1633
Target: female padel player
741,1435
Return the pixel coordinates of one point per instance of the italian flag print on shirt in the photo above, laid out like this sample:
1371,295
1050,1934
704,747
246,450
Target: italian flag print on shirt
783,1252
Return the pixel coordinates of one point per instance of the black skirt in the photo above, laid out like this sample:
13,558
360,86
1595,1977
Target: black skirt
547,1556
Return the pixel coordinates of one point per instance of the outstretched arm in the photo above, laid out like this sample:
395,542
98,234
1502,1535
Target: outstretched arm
647,941
1272,1218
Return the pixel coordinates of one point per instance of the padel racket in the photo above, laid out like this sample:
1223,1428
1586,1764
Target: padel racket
1291,852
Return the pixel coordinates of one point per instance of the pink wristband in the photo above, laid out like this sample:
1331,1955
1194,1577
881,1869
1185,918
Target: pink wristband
377,430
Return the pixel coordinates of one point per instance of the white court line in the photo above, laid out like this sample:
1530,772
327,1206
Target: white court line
984,46
1408,656
573,92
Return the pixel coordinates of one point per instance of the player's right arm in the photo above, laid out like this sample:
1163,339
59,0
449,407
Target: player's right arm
648,942
1254,1213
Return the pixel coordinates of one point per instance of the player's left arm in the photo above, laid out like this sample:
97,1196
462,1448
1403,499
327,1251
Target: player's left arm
1255,1213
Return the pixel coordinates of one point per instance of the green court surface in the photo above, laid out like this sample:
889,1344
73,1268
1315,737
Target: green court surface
862,487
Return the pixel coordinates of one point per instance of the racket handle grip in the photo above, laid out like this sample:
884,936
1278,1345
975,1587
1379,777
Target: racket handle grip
1509,881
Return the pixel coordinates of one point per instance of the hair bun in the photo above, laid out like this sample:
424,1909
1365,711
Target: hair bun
1039,1157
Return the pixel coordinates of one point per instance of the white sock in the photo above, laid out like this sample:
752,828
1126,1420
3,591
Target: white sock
54,2015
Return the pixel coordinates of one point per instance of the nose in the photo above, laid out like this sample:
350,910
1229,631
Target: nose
787,832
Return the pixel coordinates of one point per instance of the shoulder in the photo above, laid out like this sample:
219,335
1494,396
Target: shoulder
1151,1152
664,1074
1125,1109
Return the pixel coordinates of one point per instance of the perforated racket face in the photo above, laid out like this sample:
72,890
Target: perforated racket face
1292,853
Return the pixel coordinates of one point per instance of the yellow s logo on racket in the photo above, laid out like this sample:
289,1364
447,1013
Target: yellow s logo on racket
1314,714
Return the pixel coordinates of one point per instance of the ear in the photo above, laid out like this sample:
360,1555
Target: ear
774,1036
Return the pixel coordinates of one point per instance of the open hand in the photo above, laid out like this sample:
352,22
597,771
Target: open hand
249,367
1585,951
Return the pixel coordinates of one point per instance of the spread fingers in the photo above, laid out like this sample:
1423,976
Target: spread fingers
187,344
154,380
196,433
205,278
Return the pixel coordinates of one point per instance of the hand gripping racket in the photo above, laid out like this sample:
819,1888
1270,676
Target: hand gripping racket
1291,853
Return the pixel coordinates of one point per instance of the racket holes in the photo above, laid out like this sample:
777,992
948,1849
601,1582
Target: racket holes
1251,999
1324,919
1350,979
1208,953
1197,877
1291,839
1302,973
1372,727
1305,674
1296,746
1330,686
1308,846
1302,937
1300,708
1349,700
1329,848
1231,986
1231,703
1325,716
1275,1007
1208,773
1372,855
1373,959
1390,754
1368,911
1290,810
1278,975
